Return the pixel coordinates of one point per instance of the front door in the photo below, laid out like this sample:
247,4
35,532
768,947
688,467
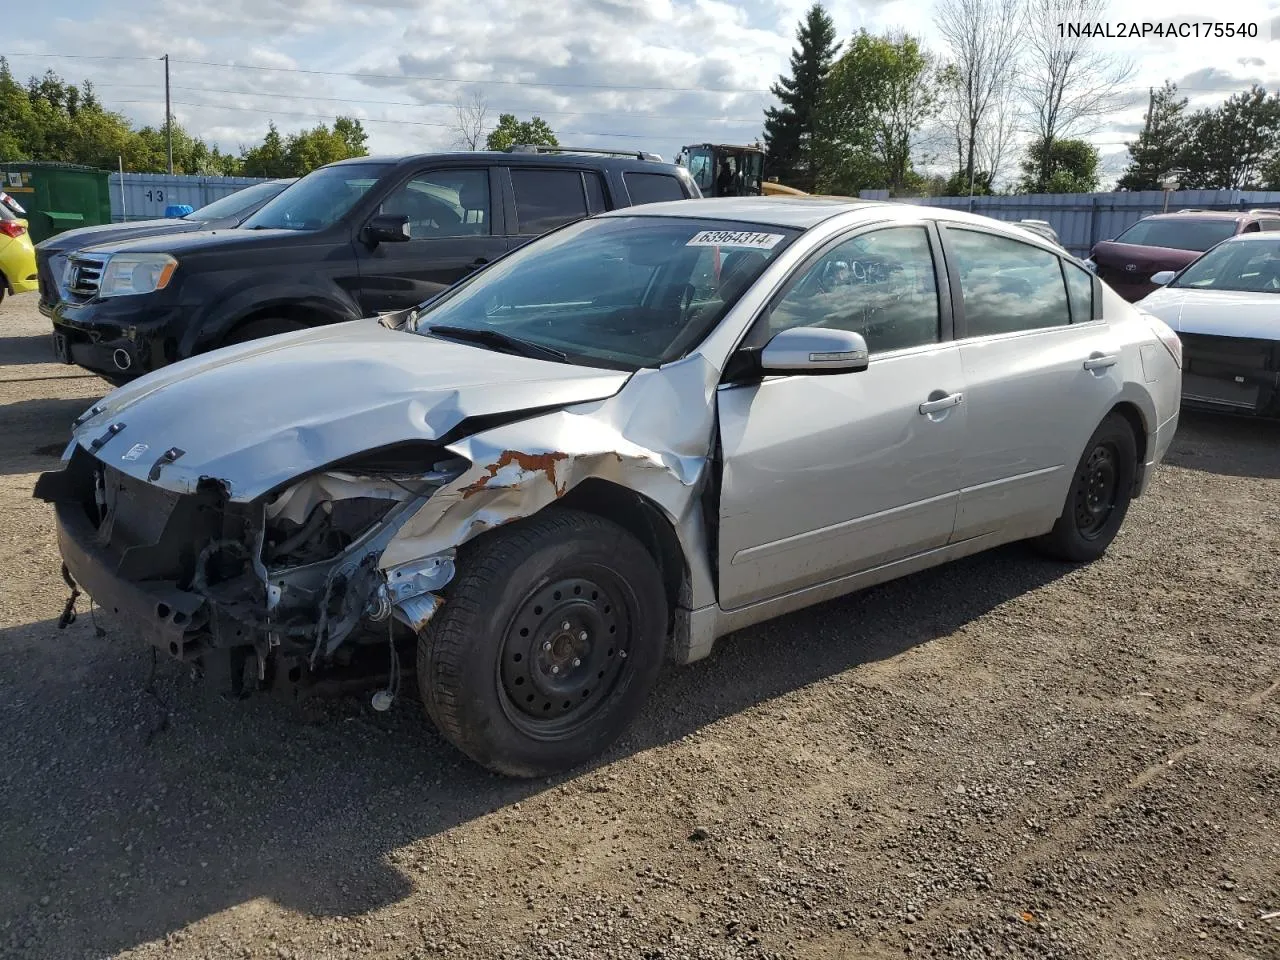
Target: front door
454,229
1040,375
830,474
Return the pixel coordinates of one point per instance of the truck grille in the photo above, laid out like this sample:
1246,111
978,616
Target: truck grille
84,276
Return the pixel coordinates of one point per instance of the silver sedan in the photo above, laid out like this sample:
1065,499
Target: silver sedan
615,445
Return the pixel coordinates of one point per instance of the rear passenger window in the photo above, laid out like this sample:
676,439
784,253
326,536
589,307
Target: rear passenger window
546,199
1007,285
652,187
1079,292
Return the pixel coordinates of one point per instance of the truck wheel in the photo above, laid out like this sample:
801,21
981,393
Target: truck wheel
549,641
1099,495
266,327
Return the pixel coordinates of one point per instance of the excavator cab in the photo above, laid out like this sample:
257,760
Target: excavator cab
724,170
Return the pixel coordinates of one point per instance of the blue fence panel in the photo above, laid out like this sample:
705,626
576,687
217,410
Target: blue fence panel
1082,219
146,195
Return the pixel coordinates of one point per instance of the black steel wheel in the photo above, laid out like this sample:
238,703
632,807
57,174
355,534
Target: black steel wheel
1099,496
550,638
1096,489
565,650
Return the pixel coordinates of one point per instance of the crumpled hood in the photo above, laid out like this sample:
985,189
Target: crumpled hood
262,413
1219,313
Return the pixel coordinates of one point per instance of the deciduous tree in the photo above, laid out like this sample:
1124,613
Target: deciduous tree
511,132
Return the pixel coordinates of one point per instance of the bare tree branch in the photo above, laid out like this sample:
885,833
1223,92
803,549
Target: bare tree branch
1069,84
995,140
984,44
469,121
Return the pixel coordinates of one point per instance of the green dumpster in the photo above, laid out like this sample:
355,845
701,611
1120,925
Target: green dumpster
58,196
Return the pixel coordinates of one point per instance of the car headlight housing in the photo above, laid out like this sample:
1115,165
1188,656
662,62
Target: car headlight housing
127,275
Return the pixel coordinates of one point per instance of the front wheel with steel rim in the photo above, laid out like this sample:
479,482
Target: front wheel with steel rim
1099,495
550,638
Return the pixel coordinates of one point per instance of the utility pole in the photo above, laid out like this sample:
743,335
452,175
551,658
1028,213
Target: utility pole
168,117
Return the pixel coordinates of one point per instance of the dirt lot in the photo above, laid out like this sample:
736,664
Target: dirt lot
1006,757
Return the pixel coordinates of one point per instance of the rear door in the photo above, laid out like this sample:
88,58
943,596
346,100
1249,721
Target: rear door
455,223
543,198
1041,370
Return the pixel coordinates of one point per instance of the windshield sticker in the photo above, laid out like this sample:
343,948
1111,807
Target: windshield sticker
735,238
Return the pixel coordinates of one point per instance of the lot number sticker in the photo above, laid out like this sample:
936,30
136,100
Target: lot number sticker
735,238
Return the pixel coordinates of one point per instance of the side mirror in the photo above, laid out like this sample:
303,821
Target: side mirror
1163,277
814,350
388,228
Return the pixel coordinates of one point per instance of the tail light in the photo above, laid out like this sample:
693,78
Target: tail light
1167,337
12,228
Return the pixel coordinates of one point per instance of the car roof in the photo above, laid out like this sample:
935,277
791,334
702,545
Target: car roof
1199,215
560,159
808,211
1253,237
776,211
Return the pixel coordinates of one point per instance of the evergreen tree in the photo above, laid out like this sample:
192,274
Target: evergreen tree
1156,152
791,130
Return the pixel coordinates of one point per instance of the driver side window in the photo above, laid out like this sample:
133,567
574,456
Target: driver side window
443,203
879,284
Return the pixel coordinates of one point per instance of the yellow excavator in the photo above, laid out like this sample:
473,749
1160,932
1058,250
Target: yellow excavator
731,170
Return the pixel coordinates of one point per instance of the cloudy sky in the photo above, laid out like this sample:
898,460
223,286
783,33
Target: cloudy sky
643,74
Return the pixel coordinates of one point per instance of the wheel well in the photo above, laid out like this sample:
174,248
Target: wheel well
309,316
1134,416
644,520
1139,427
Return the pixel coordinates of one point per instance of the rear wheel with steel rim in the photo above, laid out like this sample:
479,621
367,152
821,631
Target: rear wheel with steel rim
1099,496
550,638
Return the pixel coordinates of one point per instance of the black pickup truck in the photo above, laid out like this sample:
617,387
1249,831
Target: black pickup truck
348,240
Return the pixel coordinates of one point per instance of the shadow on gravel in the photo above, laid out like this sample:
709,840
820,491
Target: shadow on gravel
131,812
20,350
1226,445
33,433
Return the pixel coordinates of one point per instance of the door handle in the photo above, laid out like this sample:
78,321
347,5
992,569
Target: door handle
943,403
1101,362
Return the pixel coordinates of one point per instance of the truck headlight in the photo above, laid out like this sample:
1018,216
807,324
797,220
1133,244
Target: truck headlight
129,274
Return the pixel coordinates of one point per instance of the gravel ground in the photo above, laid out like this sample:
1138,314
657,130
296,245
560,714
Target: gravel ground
1004,757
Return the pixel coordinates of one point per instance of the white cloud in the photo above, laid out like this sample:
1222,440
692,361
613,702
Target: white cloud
591,68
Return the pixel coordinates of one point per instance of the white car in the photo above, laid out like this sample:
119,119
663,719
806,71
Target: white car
1225,307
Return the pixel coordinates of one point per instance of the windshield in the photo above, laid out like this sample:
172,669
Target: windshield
701,169
238,204
620,292
1252,266
1180,234
318,200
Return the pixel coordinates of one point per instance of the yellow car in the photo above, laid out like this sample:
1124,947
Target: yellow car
17,255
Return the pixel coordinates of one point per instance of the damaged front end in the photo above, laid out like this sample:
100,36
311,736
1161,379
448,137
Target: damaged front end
283,592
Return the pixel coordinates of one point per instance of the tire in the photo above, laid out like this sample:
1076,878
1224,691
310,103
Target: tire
1099,496
540,703
266,327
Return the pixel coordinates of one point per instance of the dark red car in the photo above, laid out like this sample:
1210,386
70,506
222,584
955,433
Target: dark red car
1169,241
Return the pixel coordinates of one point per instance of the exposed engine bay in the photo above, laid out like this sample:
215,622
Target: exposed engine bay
269,591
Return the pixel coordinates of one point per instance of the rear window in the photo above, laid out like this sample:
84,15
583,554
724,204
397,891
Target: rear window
1178,234
652,187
